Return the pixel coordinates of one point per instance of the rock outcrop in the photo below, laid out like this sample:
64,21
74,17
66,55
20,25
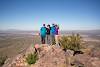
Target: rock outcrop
51,56
86,61
48,56
54,56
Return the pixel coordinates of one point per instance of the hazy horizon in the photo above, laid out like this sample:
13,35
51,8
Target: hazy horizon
59,30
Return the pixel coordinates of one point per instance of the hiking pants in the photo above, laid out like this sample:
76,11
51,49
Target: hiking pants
53,39
48,39
42,40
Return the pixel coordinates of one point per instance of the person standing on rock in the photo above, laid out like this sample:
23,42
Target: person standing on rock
56,34
52,33
48,34
43,34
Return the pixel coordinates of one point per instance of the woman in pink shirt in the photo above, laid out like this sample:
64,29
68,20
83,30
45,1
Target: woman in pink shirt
57,34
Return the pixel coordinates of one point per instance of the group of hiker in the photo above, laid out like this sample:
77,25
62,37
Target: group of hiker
49,34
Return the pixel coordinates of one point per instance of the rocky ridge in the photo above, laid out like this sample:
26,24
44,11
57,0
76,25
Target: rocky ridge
54,56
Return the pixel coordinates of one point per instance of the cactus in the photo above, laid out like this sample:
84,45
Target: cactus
2,60
72,42
31,58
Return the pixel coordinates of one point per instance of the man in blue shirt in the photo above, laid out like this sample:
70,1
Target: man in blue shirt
43,34
53,33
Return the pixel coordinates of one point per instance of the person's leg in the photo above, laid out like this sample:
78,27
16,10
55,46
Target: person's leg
49,37
41,39
56,39
53,40
44,40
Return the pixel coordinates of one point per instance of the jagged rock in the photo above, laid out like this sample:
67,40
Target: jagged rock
51,56
7,62
54,56
69,52
84,60
69,56
18,61
95,53
93,62
81,59
48,56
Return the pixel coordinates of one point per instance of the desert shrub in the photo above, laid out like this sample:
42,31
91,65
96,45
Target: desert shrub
2,60
31,58
72,42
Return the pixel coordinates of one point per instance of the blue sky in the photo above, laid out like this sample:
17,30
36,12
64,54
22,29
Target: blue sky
31,14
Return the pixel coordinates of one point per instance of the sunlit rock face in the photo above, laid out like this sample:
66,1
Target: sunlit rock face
51,56
54,56
48,56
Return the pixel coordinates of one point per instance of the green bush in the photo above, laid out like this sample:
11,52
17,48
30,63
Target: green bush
72,42
2,60
31,58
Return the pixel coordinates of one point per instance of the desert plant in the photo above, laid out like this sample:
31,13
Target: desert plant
31,58
2,60
72,42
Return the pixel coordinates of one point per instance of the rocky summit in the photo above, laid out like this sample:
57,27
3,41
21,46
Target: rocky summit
54,56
